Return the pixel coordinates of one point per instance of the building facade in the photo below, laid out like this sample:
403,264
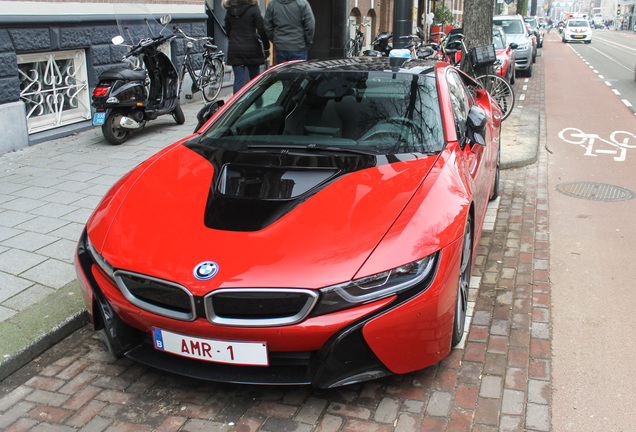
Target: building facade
52,52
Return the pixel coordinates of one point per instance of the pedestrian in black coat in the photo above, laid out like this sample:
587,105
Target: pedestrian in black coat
248,46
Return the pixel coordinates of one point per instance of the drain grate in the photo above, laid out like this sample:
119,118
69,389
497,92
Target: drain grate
596,191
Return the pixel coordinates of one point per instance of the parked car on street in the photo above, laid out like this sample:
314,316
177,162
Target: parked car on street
577,30
505,65
535,28
319,229
516,31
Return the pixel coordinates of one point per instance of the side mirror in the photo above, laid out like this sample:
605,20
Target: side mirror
476,125
165,20
513,46
207,112
117,40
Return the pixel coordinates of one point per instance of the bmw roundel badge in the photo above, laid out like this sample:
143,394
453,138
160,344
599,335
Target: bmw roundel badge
206,270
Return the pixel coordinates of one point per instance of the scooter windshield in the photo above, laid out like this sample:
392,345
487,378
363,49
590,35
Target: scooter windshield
136,22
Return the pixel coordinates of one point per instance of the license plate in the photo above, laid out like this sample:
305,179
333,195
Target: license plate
579,36
219,351
98,118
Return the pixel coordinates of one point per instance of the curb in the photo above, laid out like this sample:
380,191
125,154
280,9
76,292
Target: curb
520,138
34,330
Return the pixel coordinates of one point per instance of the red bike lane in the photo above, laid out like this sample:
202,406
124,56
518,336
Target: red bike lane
591,189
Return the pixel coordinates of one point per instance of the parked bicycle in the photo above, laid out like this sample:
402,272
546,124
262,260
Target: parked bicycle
209,79
353,48
453,49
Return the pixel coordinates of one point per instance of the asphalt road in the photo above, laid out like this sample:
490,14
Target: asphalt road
612,58
592,234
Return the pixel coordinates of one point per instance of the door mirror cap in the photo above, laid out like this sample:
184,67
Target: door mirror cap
476,125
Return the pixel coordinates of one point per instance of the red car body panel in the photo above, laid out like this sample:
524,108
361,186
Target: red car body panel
374,198
418,333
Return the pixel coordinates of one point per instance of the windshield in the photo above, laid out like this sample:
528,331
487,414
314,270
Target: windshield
135,22
581,23
357,111
510,26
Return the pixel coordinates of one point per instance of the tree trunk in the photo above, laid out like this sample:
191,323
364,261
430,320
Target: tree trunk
478,23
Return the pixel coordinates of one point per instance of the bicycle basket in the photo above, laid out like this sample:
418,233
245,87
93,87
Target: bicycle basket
483,55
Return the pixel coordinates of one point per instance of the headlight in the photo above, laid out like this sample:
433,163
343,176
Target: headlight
523,46
100,261
377,286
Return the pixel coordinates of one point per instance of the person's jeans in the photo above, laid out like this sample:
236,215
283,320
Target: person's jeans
283,56
244,74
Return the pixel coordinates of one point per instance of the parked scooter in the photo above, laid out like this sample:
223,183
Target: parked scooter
381,47
125,99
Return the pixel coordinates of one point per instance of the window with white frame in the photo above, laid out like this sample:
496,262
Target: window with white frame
54,88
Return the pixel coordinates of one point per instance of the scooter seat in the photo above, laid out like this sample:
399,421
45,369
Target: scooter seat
122,73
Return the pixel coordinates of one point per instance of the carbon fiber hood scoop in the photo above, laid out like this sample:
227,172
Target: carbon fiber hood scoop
252,190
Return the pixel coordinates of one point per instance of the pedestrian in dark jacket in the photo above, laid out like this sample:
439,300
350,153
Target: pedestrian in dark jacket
290,25
247,41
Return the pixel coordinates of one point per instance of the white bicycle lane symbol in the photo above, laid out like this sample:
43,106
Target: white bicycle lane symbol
619,141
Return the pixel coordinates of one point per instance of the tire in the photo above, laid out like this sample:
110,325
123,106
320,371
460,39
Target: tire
178,115
500,91
528,72
113,134
212,79
461,306
495,189
513,77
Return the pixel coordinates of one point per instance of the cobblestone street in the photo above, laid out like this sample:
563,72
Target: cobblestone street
499,381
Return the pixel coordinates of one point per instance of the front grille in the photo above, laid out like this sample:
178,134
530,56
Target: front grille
157,296
259,307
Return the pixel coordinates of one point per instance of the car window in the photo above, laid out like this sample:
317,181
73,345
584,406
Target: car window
460,101
532,21
497,40
361,110
510,26
268,98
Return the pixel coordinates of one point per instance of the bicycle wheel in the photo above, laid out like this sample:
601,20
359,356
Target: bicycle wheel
500,91
212,79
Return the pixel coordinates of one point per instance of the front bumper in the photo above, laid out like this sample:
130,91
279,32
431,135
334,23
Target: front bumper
398,334
523,58
574,37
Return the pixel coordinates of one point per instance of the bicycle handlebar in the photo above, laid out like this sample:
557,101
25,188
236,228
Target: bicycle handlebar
182,33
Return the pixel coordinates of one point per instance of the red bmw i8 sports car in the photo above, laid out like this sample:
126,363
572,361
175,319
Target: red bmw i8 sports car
319,229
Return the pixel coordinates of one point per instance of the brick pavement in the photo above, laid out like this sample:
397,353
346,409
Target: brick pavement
498,381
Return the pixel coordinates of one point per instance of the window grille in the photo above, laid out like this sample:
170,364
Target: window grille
54,88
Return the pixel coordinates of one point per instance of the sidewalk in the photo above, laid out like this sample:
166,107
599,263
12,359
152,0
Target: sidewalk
48,191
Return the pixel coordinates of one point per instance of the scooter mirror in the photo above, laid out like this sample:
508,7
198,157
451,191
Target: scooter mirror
117,40
165,20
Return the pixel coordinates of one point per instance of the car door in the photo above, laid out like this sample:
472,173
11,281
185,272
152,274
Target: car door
475,157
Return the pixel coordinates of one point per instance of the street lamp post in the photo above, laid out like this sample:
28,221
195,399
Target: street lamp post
402,22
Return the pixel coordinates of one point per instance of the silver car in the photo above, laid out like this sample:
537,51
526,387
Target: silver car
516,31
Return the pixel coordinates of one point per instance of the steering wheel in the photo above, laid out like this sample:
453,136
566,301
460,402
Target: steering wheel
386,127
